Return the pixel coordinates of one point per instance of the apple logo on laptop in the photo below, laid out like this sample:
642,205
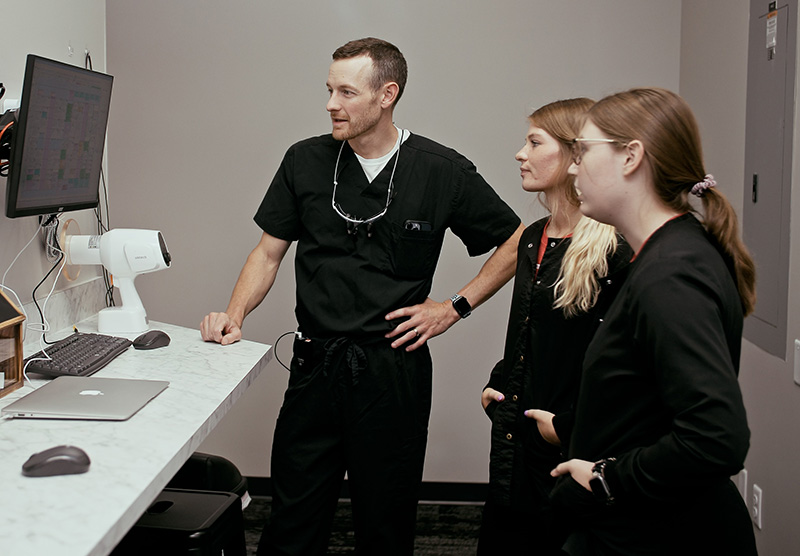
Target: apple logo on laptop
91,393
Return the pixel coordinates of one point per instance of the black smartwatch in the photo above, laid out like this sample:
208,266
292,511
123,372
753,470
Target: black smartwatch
461,305
599,484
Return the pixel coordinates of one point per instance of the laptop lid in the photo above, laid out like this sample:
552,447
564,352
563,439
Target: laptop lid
86,398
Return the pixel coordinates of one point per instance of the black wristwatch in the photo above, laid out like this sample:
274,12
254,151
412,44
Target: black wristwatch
461,305
599,484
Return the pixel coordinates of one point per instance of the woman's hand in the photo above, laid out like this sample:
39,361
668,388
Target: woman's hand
544,420
490,395
580,470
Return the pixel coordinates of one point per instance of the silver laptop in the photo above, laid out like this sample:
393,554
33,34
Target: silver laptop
86,398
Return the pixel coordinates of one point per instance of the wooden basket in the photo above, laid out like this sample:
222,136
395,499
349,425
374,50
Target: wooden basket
10,346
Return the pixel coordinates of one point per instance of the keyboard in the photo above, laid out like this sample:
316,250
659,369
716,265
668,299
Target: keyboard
80,354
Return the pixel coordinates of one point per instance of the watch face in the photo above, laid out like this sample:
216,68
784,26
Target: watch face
600,489
462,307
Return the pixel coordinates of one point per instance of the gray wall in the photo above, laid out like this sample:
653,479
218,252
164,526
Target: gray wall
209,96
207,99
47,28
713,79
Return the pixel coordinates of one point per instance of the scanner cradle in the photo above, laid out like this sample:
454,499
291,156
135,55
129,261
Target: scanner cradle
125,253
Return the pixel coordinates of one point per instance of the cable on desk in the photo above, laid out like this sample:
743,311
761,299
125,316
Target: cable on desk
62,261
276,349
102,228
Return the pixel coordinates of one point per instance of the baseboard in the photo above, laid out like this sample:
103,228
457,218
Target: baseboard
462,493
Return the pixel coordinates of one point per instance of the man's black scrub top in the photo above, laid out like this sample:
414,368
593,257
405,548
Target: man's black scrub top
346,284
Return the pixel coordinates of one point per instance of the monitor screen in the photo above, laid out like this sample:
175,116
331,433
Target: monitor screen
58,139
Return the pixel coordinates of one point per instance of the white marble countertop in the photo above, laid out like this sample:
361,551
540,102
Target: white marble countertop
132,460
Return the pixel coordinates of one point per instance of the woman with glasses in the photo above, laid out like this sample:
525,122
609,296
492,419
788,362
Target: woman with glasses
561,286
660,425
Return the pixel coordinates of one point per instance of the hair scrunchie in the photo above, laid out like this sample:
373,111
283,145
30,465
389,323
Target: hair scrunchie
700,187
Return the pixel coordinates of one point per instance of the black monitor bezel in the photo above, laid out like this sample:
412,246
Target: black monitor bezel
18,144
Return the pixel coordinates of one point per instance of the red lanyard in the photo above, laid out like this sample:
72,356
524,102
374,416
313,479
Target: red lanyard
543,247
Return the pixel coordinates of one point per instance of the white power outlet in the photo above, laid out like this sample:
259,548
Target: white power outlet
741,483
757,508
8,104
797,362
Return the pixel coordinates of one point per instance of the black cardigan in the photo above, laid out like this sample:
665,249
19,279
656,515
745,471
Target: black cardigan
660,393
540,369
660,389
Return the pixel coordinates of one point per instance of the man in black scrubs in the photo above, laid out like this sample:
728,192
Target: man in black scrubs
368,206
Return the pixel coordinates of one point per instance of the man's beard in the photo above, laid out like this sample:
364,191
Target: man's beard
357,127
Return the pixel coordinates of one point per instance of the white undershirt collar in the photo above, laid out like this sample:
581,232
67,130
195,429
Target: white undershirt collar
373,166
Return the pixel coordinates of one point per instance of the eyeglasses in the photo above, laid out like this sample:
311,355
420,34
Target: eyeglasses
578,149
354,222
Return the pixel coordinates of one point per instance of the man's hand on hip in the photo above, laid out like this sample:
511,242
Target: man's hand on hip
423,322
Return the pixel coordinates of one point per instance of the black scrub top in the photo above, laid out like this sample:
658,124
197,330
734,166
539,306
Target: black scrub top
346,284
660,391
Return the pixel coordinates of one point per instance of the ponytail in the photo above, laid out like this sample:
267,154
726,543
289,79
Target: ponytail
720,221
664,123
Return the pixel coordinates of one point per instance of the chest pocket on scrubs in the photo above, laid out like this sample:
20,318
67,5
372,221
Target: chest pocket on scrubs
414,252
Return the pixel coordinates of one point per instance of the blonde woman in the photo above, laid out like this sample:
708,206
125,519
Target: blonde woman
660,425
565,275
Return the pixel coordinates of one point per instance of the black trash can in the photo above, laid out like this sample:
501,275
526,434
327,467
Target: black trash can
198,513
192,522
210,472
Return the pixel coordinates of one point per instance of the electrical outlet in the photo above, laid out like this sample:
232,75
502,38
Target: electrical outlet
757,509
797,362
8,104
741,483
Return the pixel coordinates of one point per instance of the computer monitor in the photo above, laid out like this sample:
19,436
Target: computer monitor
58,139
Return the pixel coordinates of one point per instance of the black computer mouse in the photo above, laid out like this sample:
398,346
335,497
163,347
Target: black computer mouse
60,460
151,339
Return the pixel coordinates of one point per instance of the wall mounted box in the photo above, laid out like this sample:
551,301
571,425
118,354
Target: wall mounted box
769,136
10,346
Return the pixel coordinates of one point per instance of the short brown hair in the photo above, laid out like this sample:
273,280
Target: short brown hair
388,63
